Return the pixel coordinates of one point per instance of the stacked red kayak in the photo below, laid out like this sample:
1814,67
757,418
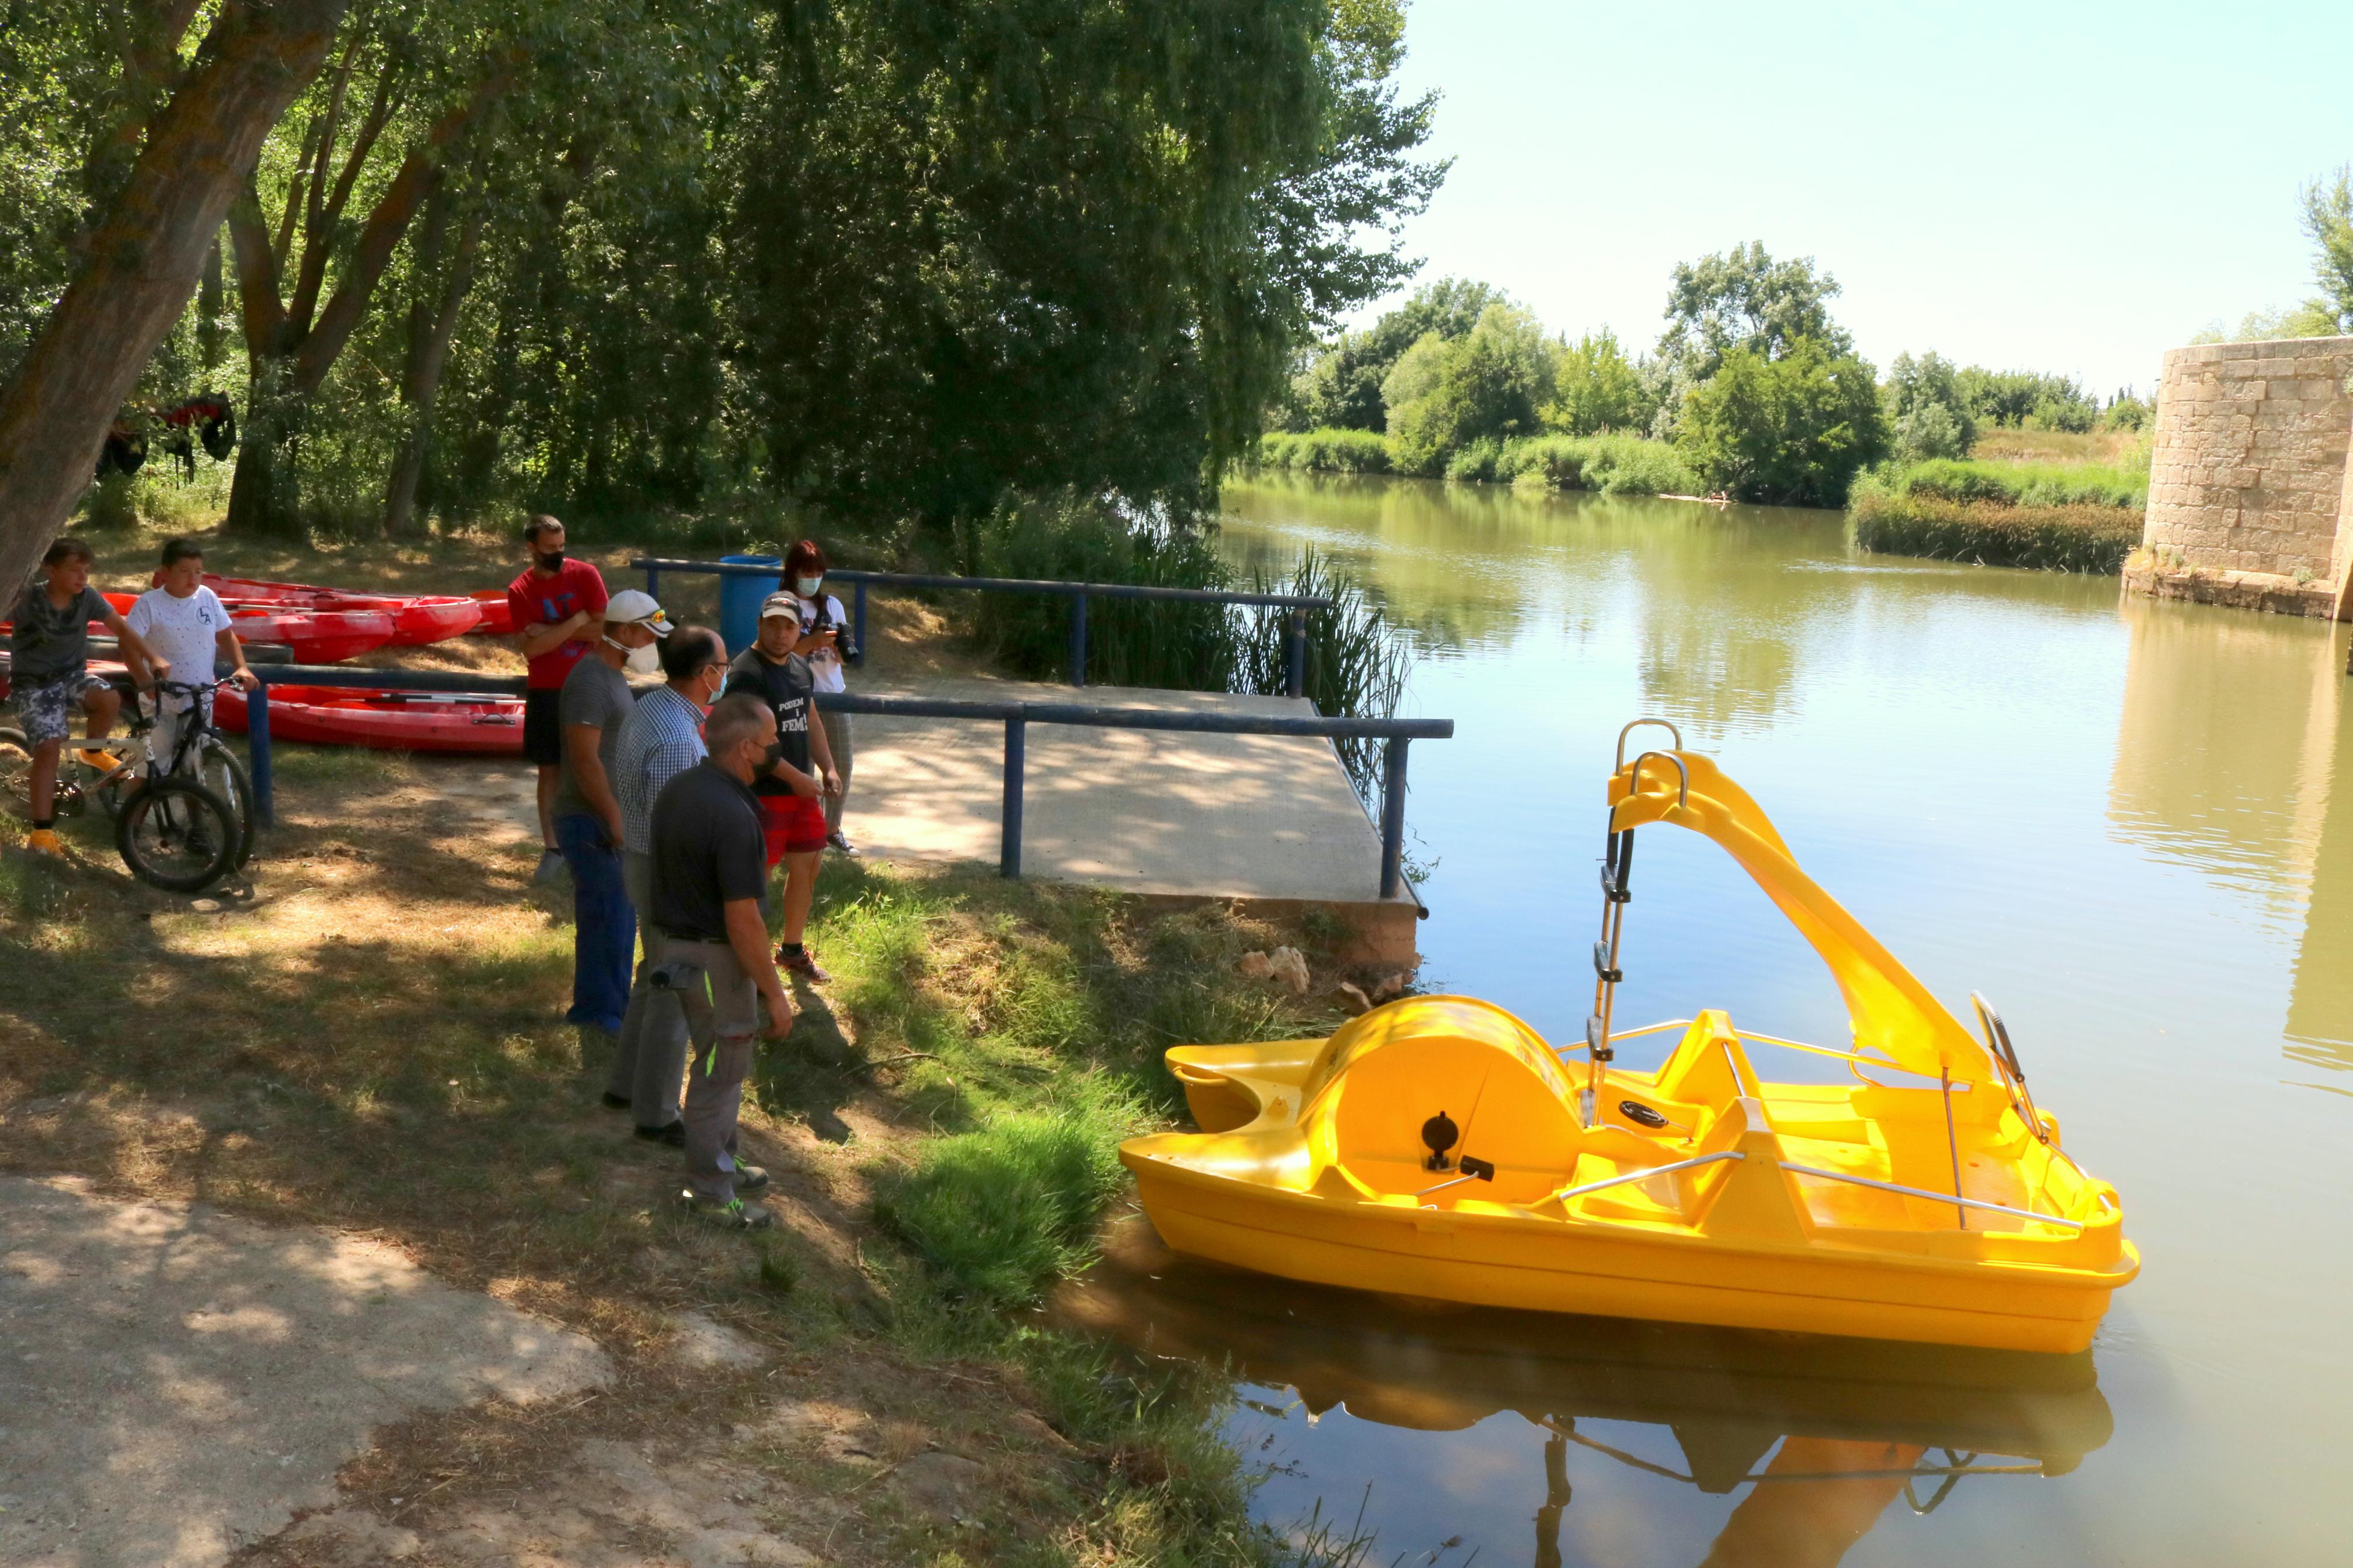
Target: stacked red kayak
328,625
394,721
414,618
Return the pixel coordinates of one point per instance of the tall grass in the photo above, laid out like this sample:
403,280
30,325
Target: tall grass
1329,450
1611,463
2094,539
2012,484
1356,660
1130,642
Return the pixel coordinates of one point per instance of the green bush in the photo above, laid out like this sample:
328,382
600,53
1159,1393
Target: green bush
1130,642
2094,539
1794,430
1488,384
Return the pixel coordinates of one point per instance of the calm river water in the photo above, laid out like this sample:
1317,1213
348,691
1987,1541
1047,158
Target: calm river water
2129,824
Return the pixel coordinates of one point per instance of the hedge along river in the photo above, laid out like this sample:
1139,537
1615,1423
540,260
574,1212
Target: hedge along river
2129,824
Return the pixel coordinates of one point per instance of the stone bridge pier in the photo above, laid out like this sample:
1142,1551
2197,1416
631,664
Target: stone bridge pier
2250,497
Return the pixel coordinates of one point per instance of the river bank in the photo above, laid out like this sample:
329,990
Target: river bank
371,1041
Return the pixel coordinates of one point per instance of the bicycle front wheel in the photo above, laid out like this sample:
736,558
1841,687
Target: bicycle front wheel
176,834
222,775
17,771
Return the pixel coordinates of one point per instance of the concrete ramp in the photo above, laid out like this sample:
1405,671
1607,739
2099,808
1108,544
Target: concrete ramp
1266,819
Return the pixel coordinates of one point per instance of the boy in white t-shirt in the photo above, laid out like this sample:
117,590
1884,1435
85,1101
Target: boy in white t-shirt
185,623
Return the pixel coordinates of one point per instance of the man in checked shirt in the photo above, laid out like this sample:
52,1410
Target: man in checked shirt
661,737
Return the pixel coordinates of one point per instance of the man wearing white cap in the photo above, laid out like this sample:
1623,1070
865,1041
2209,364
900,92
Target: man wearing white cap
595,699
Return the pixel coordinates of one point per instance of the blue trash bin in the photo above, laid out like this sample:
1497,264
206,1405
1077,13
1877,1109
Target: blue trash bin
740,596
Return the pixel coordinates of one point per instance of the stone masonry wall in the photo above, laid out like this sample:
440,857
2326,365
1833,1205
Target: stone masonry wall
2247,480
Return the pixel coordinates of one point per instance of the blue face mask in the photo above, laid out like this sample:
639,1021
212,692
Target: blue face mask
806,587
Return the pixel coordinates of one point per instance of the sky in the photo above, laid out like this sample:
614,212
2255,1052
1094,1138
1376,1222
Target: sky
2073,187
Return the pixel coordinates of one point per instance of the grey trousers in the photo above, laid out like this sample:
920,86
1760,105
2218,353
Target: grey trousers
651,1055
837,737
723,1011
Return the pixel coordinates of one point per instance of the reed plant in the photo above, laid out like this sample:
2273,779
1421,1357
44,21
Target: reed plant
2014,484
1326,450
1612,462
1357,659
2069,538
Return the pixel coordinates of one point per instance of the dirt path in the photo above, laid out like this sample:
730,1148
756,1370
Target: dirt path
184,1381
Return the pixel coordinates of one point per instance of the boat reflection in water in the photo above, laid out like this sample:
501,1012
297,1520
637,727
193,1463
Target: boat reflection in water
1826,1433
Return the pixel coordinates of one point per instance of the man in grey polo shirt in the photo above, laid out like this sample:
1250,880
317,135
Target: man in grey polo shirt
661,737
711,899
595,699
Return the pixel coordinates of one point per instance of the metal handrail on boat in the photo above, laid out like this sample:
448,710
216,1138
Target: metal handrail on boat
1619,764
1644,1174
1796,1169
1683,796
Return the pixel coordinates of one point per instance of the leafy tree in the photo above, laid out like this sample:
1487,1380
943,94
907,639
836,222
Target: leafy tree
1486,385
2328,220
1794,429
1927,416
1051,242
1340,388
1743,298
163,163
2026,399
1596,387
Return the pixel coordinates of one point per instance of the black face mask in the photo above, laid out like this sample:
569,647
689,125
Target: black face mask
551,561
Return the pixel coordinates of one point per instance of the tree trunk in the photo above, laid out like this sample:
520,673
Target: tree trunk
290,353
430,327
143,262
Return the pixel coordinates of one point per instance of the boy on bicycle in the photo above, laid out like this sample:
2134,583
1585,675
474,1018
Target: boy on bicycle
48,674
184,623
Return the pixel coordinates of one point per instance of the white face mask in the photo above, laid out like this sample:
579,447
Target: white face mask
643,660
806,587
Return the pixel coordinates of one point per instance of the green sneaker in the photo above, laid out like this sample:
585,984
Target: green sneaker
733,1215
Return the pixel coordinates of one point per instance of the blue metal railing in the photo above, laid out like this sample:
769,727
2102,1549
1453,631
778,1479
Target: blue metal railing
1294,636
1017,717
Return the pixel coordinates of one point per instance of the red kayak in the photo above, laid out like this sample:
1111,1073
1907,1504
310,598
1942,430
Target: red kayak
498,615
390,720
416,618
313,636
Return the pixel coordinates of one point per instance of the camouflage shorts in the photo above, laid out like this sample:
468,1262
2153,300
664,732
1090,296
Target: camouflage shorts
48,710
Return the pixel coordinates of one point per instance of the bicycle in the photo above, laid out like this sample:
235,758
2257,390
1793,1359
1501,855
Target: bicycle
173,829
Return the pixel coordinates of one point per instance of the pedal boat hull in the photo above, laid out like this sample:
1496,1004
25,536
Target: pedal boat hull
1927,1200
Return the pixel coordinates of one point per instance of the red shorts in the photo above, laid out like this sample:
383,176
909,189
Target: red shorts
795,825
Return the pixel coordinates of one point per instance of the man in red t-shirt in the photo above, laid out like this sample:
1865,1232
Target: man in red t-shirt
559,608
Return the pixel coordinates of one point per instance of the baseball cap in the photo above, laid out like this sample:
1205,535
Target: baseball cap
781,604
635,607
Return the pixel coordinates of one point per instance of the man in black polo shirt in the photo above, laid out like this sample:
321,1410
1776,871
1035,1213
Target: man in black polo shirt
710,897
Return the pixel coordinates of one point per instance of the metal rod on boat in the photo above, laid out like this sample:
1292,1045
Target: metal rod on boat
1795,1168
1952,1140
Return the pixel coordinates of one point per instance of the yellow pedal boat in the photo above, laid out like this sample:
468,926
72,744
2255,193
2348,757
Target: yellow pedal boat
1438,1147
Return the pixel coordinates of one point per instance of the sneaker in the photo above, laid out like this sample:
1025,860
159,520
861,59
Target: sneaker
802,965
550,867
616,1102
44,841
673,1134
836,841
99,758
750,1178
733,1215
